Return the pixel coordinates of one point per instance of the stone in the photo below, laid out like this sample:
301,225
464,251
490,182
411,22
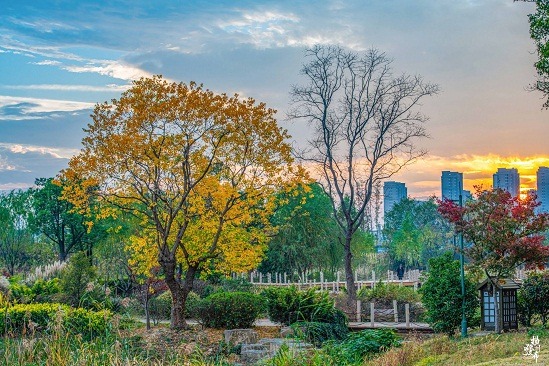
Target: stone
252,353
286,332
235,337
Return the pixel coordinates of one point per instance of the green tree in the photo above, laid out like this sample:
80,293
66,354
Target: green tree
16,239
533,297
307,236
76,278
415,231
539,32
442,295
57,219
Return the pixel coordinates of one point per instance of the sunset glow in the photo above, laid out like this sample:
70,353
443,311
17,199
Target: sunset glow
423,177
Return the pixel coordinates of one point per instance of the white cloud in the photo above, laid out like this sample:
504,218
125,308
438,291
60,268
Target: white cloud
42,25
112,68
5,165
55,152
85,88
47,63
26,108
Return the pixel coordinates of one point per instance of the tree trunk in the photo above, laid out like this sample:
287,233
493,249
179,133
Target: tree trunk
62,254
147,310
179,291
349,275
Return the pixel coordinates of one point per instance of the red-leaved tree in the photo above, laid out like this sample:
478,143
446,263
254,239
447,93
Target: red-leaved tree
502,231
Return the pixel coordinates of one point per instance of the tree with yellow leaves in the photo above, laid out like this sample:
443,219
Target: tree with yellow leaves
197,168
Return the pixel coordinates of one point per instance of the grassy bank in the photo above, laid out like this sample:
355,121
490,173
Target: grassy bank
491,349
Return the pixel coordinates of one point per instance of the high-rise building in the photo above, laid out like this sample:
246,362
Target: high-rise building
393,193
451,185
508,179
543,188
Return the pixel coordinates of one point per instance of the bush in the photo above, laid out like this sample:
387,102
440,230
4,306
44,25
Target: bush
40,291
192,305
317,333
160,307
76,277
20,318
360,345
386,293
226,285
533,298
230,310
442,295
288,305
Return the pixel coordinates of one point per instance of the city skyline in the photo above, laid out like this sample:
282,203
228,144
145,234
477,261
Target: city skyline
61,58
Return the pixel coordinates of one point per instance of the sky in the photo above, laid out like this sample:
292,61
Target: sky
59,58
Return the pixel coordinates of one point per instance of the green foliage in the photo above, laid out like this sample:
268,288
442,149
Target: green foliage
224,284
359,346
414,232
317,333
57,219
307,234
288,305
76,277
17,251
230,310
539,331
21,318
539,32
442,295
387,292
192,305
40,291
160,306
533,298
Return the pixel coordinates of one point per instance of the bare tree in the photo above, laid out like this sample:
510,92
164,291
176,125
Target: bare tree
366,124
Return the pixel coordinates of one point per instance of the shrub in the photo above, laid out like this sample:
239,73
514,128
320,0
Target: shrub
360,345
230,310
533,298
442,295
160,306
40,291
75,278
20,318
192,305
289,305
226,285
386,293
317,333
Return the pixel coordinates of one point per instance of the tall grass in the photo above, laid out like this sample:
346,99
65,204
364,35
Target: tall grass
58,347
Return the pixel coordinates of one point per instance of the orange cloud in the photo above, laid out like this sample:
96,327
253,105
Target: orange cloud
423,177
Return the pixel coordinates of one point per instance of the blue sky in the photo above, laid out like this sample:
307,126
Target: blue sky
59,58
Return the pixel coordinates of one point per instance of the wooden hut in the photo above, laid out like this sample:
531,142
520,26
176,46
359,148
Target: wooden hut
506,296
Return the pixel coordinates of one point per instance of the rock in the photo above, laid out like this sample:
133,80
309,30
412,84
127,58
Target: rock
286,332
251,353
234,337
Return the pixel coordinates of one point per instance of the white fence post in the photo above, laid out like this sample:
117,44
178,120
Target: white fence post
372,315
407,311
395,310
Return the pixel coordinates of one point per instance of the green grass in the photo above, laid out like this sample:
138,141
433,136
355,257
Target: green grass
492,349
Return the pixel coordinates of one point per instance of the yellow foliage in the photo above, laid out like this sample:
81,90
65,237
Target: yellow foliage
198,168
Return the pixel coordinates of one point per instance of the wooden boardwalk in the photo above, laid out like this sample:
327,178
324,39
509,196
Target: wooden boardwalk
357,326
399,327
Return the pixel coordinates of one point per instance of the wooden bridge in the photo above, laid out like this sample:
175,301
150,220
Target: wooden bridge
318,280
